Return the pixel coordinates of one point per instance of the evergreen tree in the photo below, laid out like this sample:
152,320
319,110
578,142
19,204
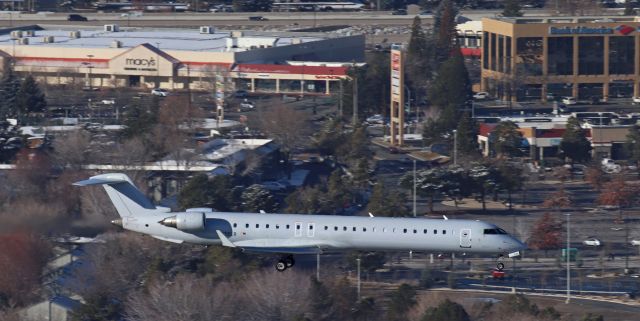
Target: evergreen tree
330,137
140,117
29,98
401,301
256,198
446,311
9,88
512,8
252,5
337,191
575,144
444,31
451,92
629,9
467,132
506,139
201,191
632,144
387,203
321,302
418,57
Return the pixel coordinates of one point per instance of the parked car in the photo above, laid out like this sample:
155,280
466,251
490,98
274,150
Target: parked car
569,100
596,100
274,186
591,241
247,105
241,93
76,17
551,97
635,242
635,100
160,92
109,101
375,119
481,95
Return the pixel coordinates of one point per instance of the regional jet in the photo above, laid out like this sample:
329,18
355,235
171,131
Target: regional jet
292,234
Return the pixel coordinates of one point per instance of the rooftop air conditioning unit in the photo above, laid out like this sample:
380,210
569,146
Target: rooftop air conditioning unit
206,30
29,33
24,41
296,41
16,34
111,28
74,34
48,39
116,44
237,34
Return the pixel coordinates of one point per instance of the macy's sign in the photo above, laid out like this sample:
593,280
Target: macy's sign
140,62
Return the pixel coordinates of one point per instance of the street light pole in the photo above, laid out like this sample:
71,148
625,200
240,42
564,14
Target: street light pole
568,255
90,66
358,261
455,147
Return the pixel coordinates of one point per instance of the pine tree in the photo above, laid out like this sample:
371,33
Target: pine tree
9,88
451,92
256,198
29,98
632,144
140,118
444,31
467,132
575,144
629,9
512,8
418,58
321,302
401,301
446,311
506,139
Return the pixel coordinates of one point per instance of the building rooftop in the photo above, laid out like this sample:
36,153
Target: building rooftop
567,19
165,39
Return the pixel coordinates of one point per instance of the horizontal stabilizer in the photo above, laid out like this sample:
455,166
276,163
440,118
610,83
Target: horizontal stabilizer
100,181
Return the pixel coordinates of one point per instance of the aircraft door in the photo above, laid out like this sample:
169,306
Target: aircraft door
298,231
465,238
310,229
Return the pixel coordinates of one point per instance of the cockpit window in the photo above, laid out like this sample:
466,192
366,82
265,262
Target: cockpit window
494,231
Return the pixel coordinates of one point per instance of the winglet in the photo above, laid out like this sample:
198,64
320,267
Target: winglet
445,217
371,215
263,212
224,239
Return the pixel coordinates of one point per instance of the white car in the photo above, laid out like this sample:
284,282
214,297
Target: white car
481,95
569,100
635,242
274,186
635,100
247,105
592,241
375,119
160,92
110,101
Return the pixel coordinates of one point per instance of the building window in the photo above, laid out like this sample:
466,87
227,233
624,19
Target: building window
500,53
485,52
621,55
591,55
560,56
493,51
529,56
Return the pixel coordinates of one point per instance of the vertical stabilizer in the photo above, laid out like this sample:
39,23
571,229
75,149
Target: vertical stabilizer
126,198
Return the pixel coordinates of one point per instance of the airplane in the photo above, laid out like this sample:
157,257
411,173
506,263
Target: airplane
295,234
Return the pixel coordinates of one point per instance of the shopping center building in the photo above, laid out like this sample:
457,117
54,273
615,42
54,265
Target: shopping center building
197,59
539,58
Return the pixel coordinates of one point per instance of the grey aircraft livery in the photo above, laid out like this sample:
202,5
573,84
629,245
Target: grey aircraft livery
290,234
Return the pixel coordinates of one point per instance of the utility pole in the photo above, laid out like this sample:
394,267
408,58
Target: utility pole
341,97
355,100
358,291
568,254
318,266
455,147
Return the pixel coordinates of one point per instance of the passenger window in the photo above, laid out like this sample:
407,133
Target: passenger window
425,231
267,226
354,228
404,230
287,226
247,225
326,227
335,228
344,228
277,226
435,231
235,224
257,225
297,227
415,231
364,229
444,231
311,227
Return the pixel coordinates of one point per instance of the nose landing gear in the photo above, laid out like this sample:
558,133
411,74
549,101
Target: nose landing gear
500,265
285,263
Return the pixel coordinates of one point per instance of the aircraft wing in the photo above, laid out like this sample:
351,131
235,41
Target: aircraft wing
286,246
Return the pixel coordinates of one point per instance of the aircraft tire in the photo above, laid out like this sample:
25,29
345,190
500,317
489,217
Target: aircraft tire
500,266
281,266
289,261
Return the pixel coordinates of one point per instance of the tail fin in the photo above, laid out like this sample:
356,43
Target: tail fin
126,198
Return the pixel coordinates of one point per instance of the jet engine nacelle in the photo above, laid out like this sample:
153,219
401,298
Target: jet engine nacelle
186,221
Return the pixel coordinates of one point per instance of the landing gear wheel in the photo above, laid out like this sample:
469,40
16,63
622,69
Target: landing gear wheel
500,266
289,261
281,266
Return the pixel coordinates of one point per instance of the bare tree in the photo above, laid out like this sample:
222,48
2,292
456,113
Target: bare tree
72,150
575,7
286,125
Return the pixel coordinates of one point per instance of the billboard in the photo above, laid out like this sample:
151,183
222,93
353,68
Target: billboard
397,97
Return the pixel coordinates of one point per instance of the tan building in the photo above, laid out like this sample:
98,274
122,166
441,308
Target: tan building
540,58
179,58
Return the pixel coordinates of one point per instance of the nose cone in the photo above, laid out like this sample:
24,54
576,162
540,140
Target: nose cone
516,245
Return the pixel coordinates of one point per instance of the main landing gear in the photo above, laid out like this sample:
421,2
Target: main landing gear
285,262
500,265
